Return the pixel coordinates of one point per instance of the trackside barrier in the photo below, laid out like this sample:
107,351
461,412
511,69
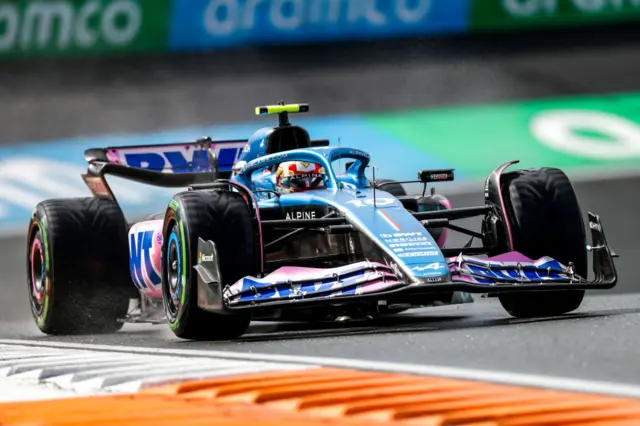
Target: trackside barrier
494,15
80,28
211,24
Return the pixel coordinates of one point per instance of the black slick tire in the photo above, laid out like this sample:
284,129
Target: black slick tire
224,218
77,266
546,220
393,188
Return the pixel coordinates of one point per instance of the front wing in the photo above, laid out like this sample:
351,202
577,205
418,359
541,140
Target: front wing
295,286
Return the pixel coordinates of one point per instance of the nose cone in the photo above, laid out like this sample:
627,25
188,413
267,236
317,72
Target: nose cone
430,270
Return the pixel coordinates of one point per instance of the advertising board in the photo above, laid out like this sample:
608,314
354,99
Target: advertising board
210,24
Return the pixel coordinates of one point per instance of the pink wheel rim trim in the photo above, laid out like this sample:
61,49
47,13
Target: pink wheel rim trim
36,247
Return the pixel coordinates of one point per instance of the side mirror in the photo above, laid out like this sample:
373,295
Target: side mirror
426,176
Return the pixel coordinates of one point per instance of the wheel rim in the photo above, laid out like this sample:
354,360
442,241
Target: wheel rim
37,275
174,285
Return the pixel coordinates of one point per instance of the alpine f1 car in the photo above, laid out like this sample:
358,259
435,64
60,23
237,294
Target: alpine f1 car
284,227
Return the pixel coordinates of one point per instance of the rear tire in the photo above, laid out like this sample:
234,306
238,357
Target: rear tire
546,220
225,219
77,266
435,203
395,189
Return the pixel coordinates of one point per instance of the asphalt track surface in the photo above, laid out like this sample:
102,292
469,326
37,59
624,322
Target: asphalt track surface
597,342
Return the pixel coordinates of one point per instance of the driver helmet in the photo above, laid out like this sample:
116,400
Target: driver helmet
299,176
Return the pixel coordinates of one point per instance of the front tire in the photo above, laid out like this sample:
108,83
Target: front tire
546,220
77,266
224,218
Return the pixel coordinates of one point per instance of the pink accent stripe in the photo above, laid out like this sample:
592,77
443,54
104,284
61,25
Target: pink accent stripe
378,285
255,203
504,211
391,222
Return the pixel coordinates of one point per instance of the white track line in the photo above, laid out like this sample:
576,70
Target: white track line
21,392
509,378
92,372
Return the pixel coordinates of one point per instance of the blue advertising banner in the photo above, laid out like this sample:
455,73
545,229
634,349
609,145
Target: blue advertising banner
207,24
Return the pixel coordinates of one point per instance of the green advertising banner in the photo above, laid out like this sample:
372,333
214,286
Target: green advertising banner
527,14
600,133
64,28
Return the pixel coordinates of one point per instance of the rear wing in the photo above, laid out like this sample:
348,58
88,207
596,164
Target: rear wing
187,157
165,165
169,165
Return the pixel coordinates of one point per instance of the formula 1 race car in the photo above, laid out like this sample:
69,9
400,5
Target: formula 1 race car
283,227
